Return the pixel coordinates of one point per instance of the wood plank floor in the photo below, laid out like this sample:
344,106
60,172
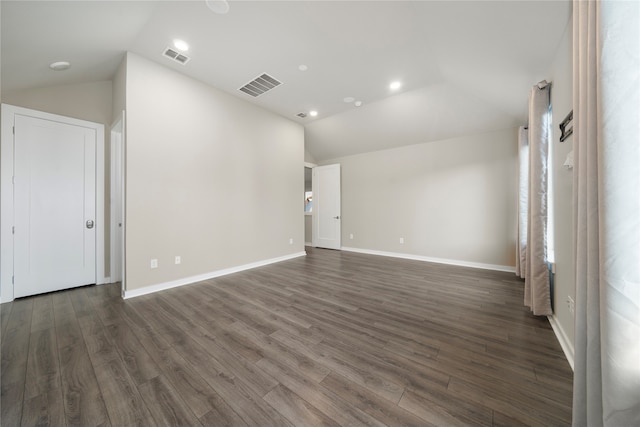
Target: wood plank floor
333,338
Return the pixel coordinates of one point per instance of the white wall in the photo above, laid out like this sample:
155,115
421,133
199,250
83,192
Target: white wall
86,101
211,178
119,93
561,102
308,157
451,200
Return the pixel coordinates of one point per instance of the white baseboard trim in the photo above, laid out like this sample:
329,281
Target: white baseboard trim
199,278
565,343
495,267
308,244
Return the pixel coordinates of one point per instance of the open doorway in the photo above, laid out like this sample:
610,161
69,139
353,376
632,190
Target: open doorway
308,203
117,203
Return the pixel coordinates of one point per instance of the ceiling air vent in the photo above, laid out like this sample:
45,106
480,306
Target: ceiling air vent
260,85
176,56
301,115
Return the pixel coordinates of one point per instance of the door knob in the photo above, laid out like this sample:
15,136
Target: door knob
336,217
89,223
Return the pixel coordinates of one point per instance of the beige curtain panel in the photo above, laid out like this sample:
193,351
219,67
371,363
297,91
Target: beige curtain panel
606,143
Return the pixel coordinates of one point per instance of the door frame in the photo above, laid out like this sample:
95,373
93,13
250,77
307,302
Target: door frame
8,114
117,192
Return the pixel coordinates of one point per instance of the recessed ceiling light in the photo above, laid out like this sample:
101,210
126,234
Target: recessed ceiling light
358,103
349,99
313,113
395,85
302,67
181,45
218,6
60,65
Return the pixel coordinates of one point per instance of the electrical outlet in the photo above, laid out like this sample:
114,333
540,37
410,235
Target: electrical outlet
154,263
291,241
572,305
402,240
178,259
351,236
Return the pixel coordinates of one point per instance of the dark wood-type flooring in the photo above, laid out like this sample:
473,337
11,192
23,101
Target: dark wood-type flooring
333,338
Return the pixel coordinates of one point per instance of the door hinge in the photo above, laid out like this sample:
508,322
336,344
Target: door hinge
12,280
13,230
14,130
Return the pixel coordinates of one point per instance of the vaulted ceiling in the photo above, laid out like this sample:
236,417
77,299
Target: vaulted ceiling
465,66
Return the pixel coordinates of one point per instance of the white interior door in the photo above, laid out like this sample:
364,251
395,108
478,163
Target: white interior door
54,206
326,207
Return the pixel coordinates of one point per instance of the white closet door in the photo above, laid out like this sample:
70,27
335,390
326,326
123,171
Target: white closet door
326,207
54,207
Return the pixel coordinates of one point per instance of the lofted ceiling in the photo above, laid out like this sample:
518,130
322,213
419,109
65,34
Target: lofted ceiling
465,66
